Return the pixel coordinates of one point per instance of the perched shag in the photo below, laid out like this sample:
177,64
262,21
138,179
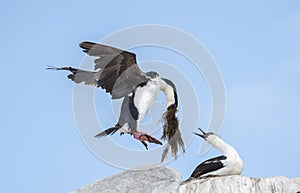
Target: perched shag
229,163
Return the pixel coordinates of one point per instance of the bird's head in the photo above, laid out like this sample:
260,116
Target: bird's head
210,137
152,74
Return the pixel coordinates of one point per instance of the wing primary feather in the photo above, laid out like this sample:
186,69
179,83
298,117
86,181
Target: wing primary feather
118,72
207,166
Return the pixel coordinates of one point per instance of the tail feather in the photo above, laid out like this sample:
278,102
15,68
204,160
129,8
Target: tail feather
109,131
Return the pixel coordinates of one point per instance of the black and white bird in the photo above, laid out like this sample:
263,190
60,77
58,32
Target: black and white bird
117,72
229,163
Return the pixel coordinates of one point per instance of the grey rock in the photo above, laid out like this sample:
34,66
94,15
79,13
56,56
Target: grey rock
150,179
236,183
159,179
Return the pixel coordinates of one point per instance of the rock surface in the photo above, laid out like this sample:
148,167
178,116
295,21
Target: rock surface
243,184
151,179
159,179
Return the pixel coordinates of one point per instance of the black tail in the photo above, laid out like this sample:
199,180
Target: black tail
109,131
79,76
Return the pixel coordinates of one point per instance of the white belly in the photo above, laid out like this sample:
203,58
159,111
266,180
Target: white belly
144,98
233,166
125,128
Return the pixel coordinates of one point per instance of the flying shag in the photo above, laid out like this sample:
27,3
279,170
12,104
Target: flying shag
116,71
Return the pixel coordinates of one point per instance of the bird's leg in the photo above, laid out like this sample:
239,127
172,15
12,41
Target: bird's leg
143,137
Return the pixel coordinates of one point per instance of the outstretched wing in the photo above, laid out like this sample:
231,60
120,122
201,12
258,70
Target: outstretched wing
118,72
207,166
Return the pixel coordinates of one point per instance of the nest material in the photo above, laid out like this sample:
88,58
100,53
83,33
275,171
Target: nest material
171,133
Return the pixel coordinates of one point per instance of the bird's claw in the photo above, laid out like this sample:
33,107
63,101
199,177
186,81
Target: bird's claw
145,144
144,137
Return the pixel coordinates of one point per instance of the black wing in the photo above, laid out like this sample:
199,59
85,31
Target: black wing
118,72
208,166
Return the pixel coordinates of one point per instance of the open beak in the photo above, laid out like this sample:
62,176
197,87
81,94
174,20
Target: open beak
201,135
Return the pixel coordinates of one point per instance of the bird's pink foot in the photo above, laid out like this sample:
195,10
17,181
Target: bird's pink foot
143,137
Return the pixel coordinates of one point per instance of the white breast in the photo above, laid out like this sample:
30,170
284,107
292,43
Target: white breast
233,166
144,98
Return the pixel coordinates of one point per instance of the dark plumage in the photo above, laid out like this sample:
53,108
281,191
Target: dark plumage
209,165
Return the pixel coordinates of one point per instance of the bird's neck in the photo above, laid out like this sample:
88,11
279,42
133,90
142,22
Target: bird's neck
170,95
224,147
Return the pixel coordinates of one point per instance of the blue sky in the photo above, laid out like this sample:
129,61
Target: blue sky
256,45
